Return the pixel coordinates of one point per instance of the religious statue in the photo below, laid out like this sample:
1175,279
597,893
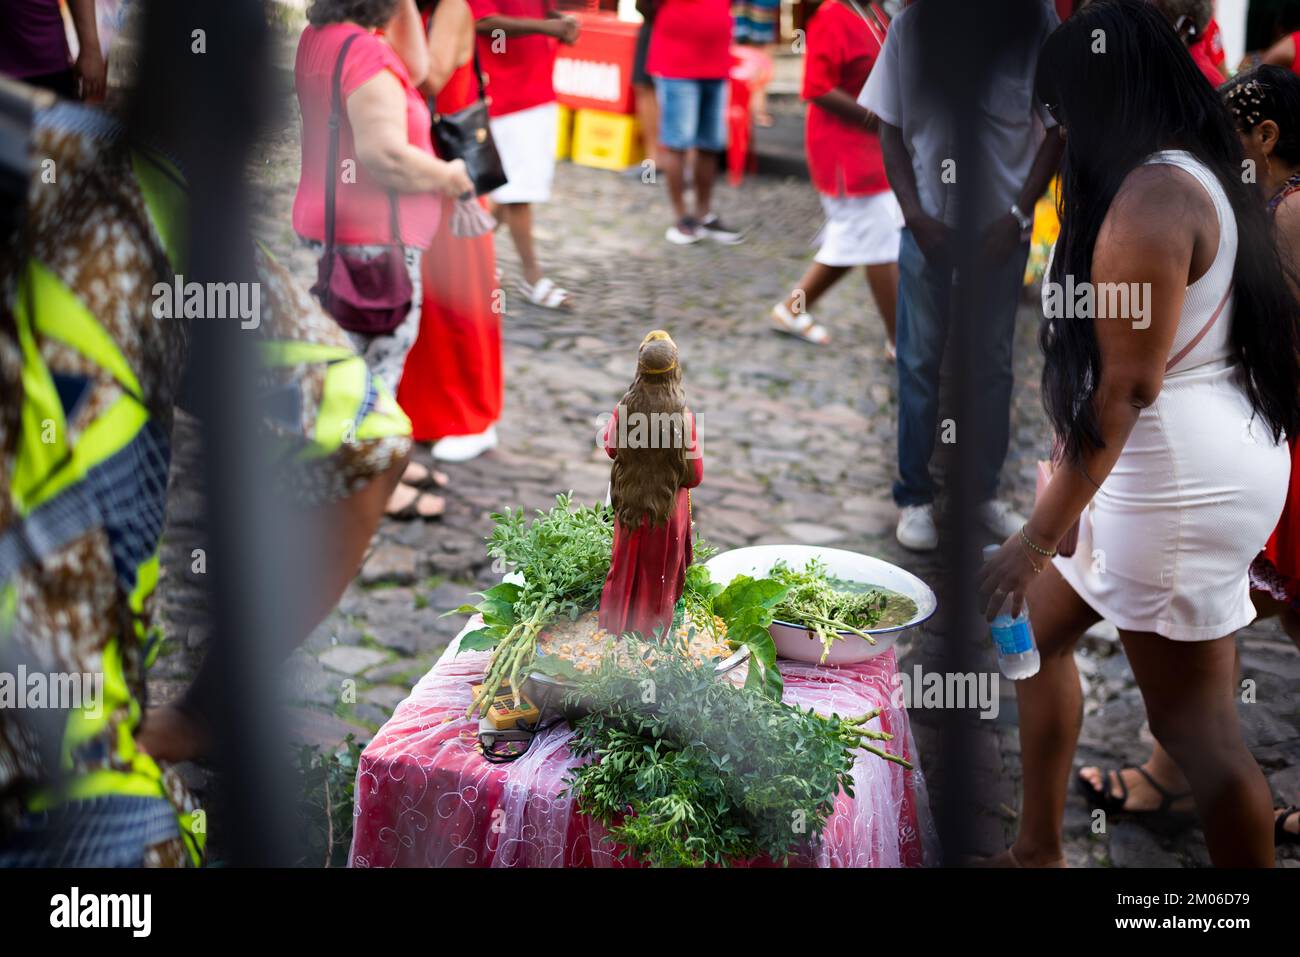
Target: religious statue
657,461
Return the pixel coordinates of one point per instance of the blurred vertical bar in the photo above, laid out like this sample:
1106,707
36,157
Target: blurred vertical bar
964,47
202,92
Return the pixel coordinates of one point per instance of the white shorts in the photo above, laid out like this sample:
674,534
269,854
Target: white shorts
526,142
860,230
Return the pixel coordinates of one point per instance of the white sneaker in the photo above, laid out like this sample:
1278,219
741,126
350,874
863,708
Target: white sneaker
916,528
999,518
462,448
684,232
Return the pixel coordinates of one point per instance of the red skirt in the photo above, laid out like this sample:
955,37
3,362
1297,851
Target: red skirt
648,573
452,382
1277,570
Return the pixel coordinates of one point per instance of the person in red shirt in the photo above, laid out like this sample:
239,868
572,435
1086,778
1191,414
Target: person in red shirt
1191,20
863,220
517,44
1209,48
690,58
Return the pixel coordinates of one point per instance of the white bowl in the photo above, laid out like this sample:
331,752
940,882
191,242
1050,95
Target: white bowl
797,642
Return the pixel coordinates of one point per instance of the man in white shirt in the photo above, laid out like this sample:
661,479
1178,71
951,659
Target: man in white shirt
1017,159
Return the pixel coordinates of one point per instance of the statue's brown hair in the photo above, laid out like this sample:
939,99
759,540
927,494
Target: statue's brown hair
645,479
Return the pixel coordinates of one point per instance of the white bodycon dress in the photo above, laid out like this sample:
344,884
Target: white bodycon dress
1166,542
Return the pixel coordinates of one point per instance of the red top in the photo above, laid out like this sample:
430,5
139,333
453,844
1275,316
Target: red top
1201,57
691,40
361,207
844,158
1211,42
519,69
648,571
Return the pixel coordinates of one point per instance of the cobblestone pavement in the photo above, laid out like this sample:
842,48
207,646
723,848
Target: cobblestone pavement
800,447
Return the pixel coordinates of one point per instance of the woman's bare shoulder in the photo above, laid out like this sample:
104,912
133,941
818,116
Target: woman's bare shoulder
1156,218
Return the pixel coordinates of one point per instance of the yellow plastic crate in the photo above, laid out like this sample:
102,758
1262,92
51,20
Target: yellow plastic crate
606,140
564,135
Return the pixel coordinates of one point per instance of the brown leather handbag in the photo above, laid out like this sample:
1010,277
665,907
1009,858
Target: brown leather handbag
371,296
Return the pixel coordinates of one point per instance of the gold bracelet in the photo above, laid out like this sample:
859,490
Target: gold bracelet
1034,548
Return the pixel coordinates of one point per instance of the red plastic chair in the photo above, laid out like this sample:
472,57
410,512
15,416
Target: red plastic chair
751,69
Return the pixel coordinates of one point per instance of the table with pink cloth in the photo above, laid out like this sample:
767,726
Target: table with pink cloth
426,797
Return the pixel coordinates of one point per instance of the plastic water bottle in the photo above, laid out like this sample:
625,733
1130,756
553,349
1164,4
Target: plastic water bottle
1013,637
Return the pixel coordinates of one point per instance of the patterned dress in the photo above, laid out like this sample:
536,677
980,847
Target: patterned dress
89,378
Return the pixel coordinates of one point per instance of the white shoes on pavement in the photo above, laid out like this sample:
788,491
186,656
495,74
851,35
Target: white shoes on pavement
999,519
462,448
917,530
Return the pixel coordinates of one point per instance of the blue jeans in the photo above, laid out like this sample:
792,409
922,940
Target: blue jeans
692,114
925,306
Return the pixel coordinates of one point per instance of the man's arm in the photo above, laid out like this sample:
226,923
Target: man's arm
931,234
839,103
898,169
90,66
1003,234
563,28
1045,165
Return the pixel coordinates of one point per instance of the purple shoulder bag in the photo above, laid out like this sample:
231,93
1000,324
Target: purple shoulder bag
367,296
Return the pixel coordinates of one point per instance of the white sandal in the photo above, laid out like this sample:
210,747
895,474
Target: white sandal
545,293
800,325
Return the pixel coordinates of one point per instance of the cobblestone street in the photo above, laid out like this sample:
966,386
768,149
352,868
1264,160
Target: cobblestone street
799,445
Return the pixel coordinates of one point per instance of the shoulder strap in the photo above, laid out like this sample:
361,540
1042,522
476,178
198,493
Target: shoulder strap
332,153
478,72
332,157
1182,353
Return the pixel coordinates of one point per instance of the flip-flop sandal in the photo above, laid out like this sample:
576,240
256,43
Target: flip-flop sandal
800,326
1111,804
546,294
434,506
1280,834
991,862
431,478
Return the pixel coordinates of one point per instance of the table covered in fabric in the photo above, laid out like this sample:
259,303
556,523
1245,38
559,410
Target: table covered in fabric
425,796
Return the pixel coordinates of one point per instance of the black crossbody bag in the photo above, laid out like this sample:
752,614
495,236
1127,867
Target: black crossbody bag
465,135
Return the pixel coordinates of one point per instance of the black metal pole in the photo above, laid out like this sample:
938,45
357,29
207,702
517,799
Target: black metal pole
201,93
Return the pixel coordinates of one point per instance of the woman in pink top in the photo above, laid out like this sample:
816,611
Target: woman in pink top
384,145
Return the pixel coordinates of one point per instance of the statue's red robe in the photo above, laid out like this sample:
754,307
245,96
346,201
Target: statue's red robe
648,572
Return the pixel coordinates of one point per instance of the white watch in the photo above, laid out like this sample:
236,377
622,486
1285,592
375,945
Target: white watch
1026,222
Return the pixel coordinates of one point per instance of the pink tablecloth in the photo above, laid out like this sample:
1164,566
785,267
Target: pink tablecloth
426,798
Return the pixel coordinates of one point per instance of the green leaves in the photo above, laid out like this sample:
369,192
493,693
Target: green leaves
813,600
705,772
563,556
745,604
744,592
482,640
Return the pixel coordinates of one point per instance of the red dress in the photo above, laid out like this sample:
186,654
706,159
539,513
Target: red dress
648,571
1277,569
452,382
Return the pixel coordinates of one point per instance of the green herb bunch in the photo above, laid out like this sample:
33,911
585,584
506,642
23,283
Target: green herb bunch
563,555
813,601
688,770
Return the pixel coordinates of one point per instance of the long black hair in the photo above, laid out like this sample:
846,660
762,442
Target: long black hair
1123,86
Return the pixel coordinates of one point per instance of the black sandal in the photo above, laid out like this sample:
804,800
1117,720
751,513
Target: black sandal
1111,804
1280,834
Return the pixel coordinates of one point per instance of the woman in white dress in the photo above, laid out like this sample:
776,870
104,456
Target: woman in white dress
1171,415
